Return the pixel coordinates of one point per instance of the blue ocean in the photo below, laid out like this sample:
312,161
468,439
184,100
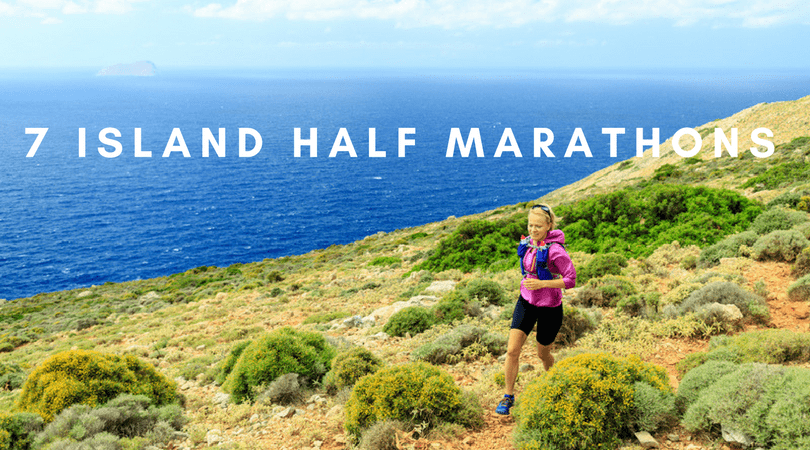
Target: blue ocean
68,221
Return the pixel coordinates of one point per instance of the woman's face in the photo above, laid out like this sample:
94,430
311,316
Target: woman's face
538,226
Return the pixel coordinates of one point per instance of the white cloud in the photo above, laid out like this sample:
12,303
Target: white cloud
6,9
37,8
510,13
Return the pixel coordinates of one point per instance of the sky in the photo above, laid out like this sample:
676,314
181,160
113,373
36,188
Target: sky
571,34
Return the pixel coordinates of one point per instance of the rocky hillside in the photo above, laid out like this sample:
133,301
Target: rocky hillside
187,324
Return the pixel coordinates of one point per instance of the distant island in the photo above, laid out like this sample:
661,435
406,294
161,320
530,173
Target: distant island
136,69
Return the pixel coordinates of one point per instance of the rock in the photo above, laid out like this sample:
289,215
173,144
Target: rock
336,411
502,358
200,347
692,447
84,294
468,441
317,444
287,413
734,435
526,368
441,287
673,437
179,436
213,437
339,438
646,440
729,313
353,322
254,418
317,399
382,314
381,336
222,399
368,322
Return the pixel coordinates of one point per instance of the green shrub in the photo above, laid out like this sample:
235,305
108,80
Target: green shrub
698,379
284,350
326,317
575,324
584,402
635,222
789,199
11,376
689,262
350,366
17,431
486,291
765,346
478,244
285,390
726,248
126,416
453,307
776,219
382,435
414,392
601,265
91,378
605,291
413,320
781,245
230,361
769,404
463,342
802,266
799,290
385,261
654,408
727,293
645,304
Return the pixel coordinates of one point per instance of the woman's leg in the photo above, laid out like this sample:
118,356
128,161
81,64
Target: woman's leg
544,352
516,340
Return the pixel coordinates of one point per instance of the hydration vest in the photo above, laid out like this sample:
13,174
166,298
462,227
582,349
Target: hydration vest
541,258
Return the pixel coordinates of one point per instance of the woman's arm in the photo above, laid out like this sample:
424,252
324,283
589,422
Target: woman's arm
534,284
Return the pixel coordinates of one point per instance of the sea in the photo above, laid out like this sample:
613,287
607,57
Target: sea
82,204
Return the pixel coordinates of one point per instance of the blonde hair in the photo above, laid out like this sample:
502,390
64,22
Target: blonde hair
546,212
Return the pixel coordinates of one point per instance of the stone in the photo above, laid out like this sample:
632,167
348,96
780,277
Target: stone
200,347
729,313
381,336
287,413
733,435
381,315
336,411
317,399
222,399
213,437
441,287
368,322
353,322
646,440
526,368
254,418
673,437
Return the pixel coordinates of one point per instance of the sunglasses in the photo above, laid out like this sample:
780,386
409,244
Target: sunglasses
543,207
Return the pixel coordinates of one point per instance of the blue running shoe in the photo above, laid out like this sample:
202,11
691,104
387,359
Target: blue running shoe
506,403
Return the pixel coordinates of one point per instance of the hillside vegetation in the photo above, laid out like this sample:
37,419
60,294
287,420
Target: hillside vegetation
693,289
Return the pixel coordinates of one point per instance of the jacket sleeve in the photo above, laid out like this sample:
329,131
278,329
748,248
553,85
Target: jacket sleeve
562,262
522,246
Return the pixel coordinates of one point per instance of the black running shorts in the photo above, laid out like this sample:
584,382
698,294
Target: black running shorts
548,320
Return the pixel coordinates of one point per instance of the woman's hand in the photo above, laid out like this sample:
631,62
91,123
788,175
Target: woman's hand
534,284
